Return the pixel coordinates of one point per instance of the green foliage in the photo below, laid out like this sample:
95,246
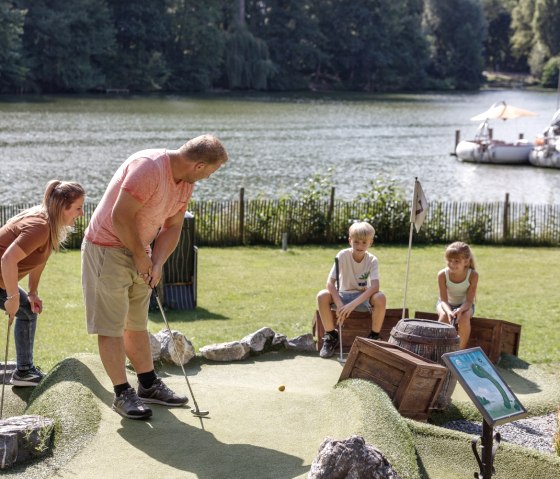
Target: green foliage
475,228
291,31
195,53
386,208
247,60
437,227
522,38
374,45
67,46
198,45
551,72
497,47
457,30
141,35
12,67
545,26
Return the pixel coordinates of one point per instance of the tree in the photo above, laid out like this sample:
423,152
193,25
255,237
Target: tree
67,48
12,68
522,38
497,47
290,29
536,38
547,25
195,53
141,34
375,45
457,30
247,59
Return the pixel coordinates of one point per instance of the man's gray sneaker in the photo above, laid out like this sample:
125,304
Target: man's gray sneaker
129,405
159,393
30,377
330,342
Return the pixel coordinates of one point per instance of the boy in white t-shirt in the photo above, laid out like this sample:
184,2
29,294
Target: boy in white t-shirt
358,288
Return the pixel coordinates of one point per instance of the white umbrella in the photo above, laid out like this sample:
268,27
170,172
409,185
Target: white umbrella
502,110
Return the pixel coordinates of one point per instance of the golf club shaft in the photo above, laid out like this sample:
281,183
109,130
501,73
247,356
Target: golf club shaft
175,347
337,270
5,367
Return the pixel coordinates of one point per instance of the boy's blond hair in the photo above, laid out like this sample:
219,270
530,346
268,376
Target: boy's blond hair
361,230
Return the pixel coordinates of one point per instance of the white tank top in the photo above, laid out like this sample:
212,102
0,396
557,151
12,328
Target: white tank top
457,292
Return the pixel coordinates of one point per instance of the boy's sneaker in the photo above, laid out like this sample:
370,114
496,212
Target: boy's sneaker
373,335
159,393
129,405
30,377
330,343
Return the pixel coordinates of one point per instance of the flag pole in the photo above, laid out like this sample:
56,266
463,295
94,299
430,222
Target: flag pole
412,219
407,268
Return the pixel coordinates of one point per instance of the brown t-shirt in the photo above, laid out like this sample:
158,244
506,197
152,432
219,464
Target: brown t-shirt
32,234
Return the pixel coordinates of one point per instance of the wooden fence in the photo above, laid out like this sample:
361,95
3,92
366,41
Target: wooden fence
266,222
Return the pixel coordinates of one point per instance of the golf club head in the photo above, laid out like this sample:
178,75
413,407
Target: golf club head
199,413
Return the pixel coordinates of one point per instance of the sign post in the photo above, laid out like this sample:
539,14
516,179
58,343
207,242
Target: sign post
492,397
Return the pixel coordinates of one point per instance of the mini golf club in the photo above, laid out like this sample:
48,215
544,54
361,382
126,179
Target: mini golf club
196,411
5,367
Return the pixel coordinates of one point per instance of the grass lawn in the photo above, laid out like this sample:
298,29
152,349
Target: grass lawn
242,289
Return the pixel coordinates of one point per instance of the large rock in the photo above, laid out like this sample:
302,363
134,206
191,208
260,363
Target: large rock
23,438
350,459
232,351
258,340
175,349
155,346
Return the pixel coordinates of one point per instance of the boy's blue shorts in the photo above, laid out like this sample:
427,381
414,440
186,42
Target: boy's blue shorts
349,296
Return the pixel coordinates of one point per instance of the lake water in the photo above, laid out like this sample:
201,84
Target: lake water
275,142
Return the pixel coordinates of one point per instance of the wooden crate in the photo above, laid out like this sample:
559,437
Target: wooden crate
510,338
412,382
358,324
494,336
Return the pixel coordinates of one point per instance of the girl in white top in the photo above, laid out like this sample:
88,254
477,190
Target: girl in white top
457,289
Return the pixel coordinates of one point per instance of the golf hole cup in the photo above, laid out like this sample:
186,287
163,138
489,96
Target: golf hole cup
281,387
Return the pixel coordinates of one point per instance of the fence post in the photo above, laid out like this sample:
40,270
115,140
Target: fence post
242,215
330,214
505,233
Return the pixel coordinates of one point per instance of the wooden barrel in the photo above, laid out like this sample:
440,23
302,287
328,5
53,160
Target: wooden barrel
429,339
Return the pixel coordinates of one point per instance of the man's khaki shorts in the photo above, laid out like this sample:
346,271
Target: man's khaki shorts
116,297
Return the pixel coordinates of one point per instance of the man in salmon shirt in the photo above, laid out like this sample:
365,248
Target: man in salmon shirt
145,202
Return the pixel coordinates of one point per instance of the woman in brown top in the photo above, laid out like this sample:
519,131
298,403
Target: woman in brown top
26,242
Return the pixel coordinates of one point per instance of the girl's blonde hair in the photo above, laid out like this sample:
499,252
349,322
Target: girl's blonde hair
58,197
460,250
361,230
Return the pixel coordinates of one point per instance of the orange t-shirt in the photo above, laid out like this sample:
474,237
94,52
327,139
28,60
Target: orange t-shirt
147,176
33,235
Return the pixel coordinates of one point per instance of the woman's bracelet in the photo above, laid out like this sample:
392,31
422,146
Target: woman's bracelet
15,295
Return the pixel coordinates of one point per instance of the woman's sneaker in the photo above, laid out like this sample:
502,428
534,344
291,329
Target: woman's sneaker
30,377
159,393
129,405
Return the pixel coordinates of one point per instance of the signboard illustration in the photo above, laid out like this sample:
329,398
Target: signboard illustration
480,379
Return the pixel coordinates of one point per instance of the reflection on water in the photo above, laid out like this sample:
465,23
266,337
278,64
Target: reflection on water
275,142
